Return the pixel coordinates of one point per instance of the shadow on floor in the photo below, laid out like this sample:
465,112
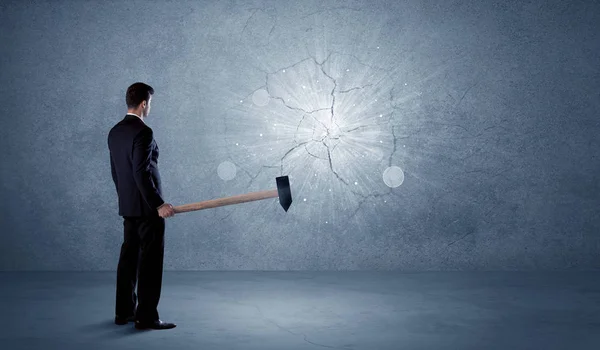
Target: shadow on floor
107,327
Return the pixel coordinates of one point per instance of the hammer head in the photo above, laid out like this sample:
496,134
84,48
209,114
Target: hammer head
285,194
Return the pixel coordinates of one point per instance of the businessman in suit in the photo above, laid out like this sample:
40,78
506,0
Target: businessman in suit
134,166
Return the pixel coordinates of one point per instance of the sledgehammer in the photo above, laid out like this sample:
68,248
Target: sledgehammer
283,192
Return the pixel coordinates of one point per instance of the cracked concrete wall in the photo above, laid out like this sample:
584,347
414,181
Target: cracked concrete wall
417,135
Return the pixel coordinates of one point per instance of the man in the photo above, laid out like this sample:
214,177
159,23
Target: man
134,166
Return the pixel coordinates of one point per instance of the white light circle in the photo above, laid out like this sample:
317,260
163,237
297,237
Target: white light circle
226,171
393,176
260,97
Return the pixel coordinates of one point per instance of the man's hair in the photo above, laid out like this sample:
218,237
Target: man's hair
136,93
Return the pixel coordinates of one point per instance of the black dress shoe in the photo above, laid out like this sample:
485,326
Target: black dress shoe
123,320
158,324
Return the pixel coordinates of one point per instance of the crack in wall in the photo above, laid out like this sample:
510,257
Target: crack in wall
331,135
254,11
329,148
333,9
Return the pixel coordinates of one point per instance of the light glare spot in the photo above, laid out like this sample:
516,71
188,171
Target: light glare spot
226,171
393,176
260,97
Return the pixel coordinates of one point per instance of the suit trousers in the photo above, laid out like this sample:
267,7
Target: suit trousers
141,261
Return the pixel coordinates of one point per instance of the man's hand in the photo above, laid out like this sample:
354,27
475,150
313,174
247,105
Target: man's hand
166,210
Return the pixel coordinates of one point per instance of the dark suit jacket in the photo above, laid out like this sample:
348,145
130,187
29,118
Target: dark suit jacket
134,166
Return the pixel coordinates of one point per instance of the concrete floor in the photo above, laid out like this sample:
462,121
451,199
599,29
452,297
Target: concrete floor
303,310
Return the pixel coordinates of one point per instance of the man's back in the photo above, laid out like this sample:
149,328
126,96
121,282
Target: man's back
134,165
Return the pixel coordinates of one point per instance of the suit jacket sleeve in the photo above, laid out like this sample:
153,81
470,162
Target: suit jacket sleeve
142,153
114,172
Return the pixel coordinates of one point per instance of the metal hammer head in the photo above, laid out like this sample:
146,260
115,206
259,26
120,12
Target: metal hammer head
285,194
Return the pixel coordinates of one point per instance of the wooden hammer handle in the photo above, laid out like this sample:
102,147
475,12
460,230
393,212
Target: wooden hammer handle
219,202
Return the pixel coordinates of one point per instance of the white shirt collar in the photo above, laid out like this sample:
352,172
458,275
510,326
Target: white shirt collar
136,116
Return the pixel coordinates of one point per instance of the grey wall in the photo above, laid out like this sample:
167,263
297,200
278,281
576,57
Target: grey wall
489,109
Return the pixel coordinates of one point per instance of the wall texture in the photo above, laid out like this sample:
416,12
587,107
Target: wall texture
417,135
